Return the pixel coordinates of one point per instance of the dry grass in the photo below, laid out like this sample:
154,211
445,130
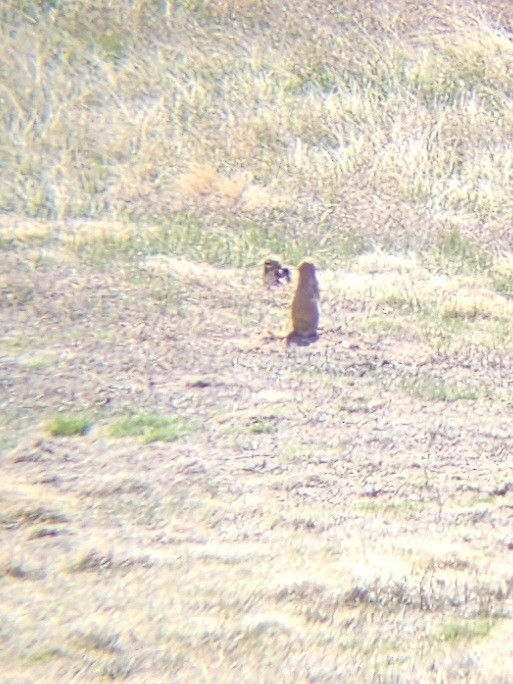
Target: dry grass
183,498
385,125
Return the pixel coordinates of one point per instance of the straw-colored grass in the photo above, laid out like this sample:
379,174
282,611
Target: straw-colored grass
362,124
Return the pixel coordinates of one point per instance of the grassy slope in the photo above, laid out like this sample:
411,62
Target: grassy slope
226,509
362,125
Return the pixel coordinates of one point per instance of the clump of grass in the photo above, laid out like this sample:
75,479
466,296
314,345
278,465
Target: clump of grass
503,284
465,630
457,253
403,301
473,305
430,388
153,428
38,362
260,427
66,425
501,276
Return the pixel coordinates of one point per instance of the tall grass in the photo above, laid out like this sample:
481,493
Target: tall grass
361,124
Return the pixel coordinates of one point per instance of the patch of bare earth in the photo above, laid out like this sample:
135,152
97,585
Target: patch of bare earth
320,523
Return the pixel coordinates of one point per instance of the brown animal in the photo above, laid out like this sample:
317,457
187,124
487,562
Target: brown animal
274,273
305,305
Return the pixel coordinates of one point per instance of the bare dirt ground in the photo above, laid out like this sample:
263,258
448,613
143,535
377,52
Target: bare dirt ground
320,522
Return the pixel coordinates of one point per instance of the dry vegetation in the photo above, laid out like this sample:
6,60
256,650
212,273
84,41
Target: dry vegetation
183,498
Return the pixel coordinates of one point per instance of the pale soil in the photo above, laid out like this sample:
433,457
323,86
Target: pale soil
335,545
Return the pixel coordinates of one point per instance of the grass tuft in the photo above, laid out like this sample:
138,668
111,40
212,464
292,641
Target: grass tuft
466,630
66,425
430,388
152,428
259,427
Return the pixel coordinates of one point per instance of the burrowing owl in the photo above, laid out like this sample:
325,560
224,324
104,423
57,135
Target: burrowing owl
275,273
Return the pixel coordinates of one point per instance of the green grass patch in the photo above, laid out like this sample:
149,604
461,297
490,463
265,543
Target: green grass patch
503,283
66,425
153,428
434,389
465,630
38,363
407,302
233,243
467,312
262,427
455,253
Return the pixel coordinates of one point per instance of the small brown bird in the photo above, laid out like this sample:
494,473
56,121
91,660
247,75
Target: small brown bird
275,273
305,306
